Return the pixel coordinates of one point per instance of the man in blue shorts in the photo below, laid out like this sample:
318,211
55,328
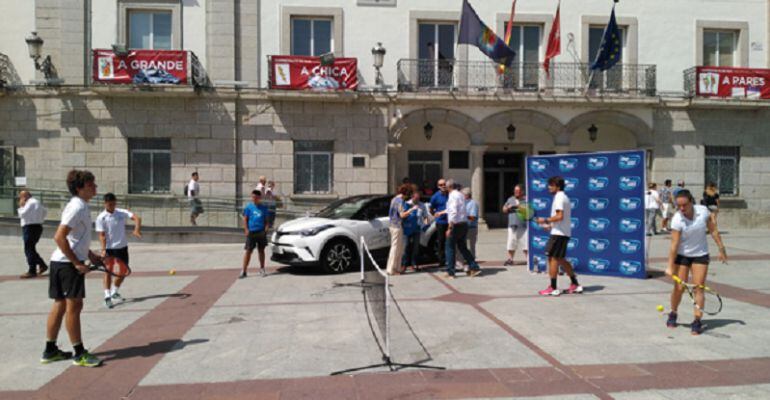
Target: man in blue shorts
255,226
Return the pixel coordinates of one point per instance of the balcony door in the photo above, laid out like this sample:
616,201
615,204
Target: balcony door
436,51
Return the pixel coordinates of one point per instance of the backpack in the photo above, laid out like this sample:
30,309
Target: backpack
186,190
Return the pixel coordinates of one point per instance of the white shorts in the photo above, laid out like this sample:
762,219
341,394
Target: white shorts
517,238
667,210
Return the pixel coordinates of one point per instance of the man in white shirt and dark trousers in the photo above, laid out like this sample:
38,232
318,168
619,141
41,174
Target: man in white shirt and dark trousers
111,225
193,191
556,248
652,204
32,215
66,282
457,232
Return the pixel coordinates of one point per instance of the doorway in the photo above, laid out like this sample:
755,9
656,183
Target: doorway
502,171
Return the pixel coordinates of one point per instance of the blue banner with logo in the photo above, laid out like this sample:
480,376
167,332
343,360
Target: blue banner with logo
606,191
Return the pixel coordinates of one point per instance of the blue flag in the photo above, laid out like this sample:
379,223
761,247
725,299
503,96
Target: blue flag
473,31
611,49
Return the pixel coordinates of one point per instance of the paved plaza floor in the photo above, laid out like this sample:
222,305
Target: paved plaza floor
204,334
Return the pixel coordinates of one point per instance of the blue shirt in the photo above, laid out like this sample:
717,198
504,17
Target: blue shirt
472,208
438,203
396,208
256,214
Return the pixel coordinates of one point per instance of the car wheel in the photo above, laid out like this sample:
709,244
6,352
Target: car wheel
339,256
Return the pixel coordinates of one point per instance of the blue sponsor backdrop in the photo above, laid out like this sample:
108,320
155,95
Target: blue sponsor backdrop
607,195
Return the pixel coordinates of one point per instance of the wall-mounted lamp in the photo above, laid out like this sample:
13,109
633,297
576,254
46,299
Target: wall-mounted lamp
379,59
511,130
428,130
35,47
593,131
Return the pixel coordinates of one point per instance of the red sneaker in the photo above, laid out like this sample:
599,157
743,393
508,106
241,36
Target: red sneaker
549,291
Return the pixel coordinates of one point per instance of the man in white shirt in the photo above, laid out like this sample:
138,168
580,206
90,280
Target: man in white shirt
559,224
652,204
111,225
261,184
457,232
32,214
66,282
193,191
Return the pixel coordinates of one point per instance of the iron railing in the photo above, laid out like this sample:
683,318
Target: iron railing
690,81
160,210
447,75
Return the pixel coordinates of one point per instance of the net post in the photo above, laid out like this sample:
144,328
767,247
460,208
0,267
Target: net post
361,256
387,318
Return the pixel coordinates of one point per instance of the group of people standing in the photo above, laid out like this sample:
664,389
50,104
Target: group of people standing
662,202
456,216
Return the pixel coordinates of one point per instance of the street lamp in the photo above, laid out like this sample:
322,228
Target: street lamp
379,58
428,130
35,47
511,132
593,131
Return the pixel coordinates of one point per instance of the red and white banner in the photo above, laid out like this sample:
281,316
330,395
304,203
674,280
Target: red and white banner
732,82
303,72
141,66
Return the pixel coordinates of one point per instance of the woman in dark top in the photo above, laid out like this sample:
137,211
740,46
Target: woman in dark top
711,199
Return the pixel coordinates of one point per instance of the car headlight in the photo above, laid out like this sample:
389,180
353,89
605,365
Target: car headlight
314,231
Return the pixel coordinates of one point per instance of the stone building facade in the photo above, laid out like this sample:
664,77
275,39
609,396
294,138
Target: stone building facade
233,128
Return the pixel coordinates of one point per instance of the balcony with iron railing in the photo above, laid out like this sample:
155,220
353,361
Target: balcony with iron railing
629,80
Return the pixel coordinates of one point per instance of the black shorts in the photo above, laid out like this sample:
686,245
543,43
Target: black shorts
557,246
121,254
689,261
256,239
65,282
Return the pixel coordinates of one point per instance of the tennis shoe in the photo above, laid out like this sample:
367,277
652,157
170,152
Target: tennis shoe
696,327
549,291
117,297
262,272
671,321
243,275
508,263
575,289
108,302
474,272
56,355
449,276
86,360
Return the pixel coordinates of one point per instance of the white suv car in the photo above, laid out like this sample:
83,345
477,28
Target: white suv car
331,238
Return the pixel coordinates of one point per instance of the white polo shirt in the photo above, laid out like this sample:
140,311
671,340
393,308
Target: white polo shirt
32,213
651,199
692,242
78,218
114,227
563,227
455,208
193,189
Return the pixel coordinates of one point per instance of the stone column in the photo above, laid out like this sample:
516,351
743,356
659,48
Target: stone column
393,151
477,176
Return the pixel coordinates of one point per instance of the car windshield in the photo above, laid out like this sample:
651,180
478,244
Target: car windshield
344,208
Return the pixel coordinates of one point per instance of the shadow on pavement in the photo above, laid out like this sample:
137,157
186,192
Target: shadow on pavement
151,349
154,296
593,288
711,324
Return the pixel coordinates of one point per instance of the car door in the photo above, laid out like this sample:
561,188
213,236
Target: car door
374,226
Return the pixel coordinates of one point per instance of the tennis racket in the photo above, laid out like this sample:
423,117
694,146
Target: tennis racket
113,266
525,211
712,304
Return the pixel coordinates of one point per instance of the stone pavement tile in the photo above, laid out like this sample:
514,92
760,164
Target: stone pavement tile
567,328
747,392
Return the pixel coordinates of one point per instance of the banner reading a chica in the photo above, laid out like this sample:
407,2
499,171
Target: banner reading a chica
606,191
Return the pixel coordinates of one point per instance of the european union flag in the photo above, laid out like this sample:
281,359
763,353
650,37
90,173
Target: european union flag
611,49
473,31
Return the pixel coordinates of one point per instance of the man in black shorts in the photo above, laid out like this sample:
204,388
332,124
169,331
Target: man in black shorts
255,226
67,277
111,225
556,248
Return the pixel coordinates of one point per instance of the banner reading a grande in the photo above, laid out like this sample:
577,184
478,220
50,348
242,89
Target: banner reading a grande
606,191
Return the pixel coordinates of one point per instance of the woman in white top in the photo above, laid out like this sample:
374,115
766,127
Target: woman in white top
689,252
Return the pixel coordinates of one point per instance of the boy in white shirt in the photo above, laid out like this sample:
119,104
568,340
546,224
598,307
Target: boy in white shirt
66,281
193,191
111,225
559,224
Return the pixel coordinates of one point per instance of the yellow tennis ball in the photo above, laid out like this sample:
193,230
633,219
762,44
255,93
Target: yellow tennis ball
660,308
172,272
